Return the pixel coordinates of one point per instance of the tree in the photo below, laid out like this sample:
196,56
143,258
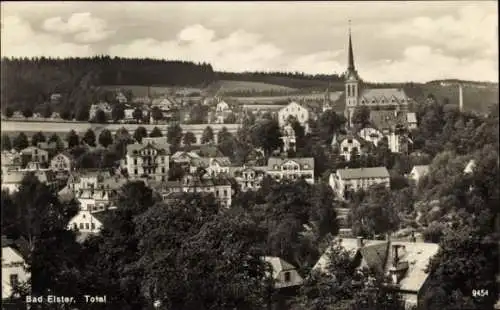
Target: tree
57,140
105,138
47,111
9,112
6,145
65,114
82,114
374,215
230,119
361,116
140,133
156,132
122,135
72,139
37,138
20,142
208,135
267,135
27,112
174,136
100,117
137,114
156,114
42,220
89,137
226,142
118,112
198,114
189,138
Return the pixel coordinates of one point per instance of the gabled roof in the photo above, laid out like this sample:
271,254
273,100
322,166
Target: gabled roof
378,93
208,151
421,169
387,119
30,149
278,265
362,173
206,162
160,147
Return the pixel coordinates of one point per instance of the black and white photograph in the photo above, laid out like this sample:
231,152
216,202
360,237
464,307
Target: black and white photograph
267,155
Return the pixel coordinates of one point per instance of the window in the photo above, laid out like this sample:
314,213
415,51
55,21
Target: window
349,141
87,226
287,276
354,149
14,280
345,149
135,161
81,225
225,193
162,169
92,225
135,171
75,226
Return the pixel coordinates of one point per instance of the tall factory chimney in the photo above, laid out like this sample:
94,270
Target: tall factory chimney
460,98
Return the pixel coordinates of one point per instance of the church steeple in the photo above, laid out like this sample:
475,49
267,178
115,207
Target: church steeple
350,59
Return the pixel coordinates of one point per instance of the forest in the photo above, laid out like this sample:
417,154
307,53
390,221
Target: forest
27,83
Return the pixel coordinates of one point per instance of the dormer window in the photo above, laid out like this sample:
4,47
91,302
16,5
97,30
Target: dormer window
373,101
349,141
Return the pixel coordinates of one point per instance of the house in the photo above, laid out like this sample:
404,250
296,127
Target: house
222,111
86,179
347,180
288,137
155,140
128,114
404,262
34,166
55,115
87,222
470,167
55,98
248,178
208,151
261,109
11,161
120,97
164,103
220,187
37,115
33,153
103,106
293,109
411,119
184,159
371,135
11,181
17,114
150,160
348,145
14,267
291,168
62,162
212,166
283,273
417,172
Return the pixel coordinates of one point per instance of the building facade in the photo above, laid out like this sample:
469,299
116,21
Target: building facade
147,161
291,168
350,180
62,162
297,111
14,269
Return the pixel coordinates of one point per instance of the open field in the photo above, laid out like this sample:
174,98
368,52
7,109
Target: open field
142,91
236,86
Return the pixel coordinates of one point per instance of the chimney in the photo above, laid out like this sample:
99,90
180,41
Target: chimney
360,242
460,98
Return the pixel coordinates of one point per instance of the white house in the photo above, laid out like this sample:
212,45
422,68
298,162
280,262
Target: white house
291,168
302,114
222,111
103,106
87,222
14,267
288,137
471,165
345,180
213,166
348,145
417,172
411,118
371,135
283,273
248,178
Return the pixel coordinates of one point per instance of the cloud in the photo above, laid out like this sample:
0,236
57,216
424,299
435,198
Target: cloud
472,30
84,27
238,51
423,63
20,40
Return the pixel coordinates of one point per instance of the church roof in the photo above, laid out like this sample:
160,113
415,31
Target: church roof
388,94
387,119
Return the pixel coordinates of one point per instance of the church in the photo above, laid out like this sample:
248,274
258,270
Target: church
388,106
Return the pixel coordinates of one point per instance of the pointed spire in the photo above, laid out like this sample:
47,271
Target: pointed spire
351,67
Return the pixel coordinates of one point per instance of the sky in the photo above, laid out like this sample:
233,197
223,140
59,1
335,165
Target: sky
393,41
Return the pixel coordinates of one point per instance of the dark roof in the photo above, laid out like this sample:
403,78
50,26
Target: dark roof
209,151
388,119
361,173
